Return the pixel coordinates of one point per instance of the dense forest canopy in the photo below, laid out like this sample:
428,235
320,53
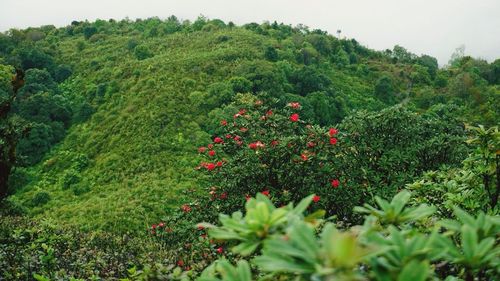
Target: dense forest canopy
102,131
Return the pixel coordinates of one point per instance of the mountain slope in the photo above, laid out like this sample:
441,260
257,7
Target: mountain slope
156,94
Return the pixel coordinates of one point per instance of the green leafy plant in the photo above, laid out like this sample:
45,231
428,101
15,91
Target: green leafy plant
222,270
396,212
335,255
472,243
261,221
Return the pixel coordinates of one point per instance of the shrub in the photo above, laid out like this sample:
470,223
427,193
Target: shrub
384,248
142,52
41,198
275,152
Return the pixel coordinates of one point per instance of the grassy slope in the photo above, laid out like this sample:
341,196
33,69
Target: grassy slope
142,140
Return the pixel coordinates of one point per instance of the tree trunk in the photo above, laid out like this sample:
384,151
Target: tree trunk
5,170
497,192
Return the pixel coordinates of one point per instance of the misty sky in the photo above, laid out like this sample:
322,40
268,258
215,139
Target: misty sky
434,27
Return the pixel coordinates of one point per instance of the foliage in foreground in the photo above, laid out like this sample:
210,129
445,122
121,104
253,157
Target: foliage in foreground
396,242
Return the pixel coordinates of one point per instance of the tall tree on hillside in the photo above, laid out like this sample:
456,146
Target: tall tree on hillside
12,127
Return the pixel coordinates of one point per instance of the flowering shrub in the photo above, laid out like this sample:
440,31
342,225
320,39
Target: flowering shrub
276,153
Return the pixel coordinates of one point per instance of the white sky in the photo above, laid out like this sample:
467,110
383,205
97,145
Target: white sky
434,27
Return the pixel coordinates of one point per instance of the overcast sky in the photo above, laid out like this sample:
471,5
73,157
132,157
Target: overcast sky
434,27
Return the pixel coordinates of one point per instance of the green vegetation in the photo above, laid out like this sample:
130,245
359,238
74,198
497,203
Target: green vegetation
103,124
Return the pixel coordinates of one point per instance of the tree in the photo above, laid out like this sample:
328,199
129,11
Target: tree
142,52
12,127
390,148
62,72
429,62
384,89
88,31
309,79
271,54
35,58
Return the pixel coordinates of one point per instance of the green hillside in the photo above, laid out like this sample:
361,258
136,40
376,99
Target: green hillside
135,100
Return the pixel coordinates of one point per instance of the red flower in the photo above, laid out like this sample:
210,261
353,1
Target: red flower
274,143
220,250
161,224
294,117
304,157
223,122
333,132
269,112
185,208
210,166
316,198
335,183
228,136
211,153
210,146
218,140
243,129
223,196
237,138
200,227
202,149
154,226
219,164
247,197
180,263
294,105
333,141
311,144
265,192
256,145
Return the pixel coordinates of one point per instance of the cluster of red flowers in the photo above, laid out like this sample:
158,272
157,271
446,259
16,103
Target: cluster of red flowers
335,183
256,145
240,113
156,228
294,117
332,133
214,195
211,166
186,208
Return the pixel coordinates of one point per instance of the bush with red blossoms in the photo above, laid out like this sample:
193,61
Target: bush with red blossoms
273,151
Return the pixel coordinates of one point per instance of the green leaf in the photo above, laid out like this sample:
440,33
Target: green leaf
414,271
244,273
246,248
469,241
464,217
303,204
399,201
222,234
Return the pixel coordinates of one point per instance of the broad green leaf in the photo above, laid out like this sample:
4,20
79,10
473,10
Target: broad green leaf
415,271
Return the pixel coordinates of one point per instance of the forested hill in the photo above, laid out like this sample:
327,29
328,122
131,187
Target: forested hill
117,109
